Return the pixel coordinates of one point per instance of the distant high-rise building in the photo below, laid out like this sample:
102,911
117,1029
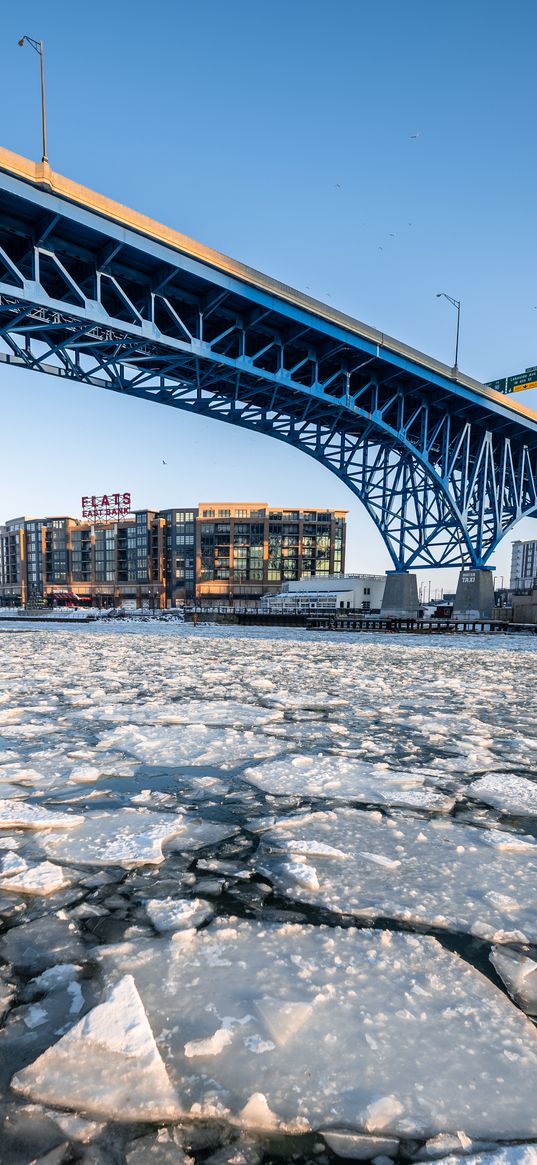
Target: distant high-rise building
213,553
523,566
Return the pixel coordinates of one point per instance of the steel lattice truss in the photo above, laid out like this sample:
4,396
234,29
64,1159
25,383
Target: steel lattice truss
443,471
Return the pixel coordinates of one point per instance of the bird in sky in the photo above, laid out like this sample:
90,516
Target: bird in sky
164,462
338,185
414,136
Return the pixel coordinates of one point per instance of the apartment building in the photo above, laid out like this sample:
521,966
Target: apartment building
214,553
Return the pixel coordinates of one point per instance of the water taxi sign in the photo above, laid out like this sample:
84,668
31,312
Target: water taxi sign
527,379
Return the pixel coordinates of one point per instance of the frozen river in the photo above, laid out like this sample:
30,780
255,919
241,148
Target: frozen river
266,894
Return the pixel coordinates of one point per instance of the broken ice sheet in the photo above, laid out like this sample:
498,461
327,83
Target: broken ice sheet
40,944
506,1155
519,973
177,913
507,792
222,713
341,778
109,1061
11,863
131,837
125,837
188,744
376,1032
432,872
21,815
360,1146
198,833
41,879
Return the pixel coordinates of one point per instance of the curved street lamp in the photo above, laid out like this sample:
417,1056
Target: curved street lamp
37,45
457,304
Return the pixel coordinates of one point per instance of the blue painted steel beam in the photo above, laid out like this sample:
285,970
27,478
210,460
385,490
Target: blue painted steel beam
444,466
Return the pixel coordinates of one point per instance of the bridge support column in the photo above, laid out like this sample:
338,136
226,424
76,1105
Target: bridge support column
400,599
475,595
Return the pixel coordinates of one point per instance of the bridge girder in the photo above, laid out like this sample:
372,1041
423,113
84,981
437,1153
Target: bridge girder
443,473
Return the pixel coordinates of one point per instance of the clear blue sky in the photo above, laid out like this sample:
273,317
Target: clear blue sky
282,133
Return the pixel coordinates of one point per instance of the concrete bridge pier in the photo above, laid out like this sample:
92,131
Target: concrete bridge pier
475,594
400,600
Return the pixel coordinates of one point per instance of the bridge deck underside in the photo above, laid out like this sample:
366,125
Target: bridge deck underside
443,472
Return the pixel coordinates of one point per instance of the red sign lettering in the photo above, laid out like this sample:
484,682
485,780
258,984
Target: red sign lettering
107,507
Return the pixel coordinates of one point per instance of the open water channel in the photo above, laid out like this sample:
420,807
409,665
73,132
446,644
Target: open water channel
266,894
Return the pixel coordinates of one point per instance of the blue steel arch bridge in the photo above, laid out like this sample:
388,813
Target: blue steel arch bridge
97,293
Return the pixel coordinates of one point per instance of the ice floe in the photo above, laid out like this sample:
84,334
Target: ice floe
107,1064
446,875
128,837
21,815
370,1031
12,863
360,1146
507,792
187,745
508,1155
519,973
149,770
341,778
221,713
177,913
43,878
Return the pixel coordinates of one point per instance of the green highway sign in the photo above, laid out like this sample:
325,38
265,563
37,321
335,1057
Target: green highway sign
522,380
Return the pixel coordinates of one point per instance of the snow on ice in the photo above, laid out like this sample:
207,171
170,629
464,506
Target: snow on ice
507,792
145,769
432,872
357,1029
108,1063
351,780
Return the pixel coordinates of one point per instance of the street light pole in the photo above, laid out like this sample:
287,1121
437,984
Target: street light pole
37,45
457,304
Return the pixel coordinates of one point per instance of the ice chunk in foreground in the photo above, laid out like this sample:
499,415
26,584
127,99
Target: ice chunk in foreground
12,863
435,872
21,815
358,1146
256,1113
177,913
108,1063
211,1045
508,1155
126,837
44,878
37,945
367,1031
507,792
519,973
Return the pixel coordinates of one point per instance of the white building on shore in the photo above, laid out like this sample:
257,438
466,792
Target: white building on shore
337,592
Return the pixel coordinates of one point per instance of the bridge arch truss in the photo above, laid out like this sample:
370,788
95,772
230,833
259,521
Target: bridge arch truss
443,466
